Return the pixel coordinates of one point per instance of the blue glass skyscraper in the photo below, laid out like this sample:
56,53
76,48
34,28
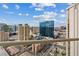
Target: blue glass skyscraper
47,28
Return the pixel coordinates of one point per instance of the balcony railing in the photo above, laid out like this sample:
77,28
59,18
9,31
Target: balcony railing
12,43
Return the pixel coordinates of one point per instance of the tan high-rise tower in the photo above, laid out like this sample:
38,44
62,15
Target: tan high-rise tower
23,32
26,32
4,36
20,32
72,30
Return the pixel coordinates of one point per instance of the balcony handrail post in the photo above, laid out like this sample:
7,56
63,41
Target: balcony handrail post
68,48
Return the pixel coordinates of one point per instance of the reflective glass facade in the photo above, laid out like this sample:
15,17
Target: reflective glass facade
47,28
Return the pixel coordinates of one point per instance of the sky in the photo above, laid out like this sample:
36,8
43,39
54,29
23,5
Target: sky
33,13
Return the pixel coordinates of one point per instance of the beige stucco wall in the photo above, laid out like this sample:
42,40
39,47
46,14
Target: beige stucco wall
4,36
73,20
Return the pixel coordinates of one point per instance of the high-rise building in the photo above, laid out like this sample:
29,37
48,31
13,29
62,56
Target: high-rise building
26,32
4,27
20,32
4,36
47,28
35,30
72,30
12,28
23,32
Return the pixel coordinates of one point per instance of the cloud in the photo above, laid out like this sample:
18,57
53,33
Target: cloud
40,6
43,5
9,12
17,7
26,14
51,19
38,9
62,15
5,6
62,11
3,21
0,21
34,4
47,4
21,14
45,16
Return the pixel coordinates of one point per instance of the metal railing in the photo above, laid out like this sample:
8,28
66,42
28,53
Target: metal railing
26,42
12,43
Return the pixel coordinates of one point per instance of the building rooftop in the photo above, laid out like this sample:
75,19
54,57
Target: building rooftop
3,52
